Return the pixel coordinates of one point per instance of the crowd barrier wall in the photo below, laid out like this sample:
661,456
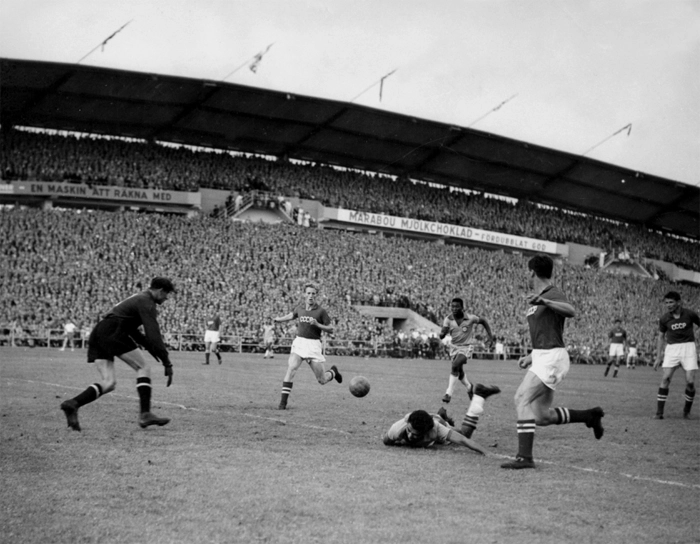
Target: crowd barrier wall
249,342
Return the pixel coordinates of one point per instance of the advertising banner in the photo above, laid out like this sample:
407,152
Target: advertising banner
442,229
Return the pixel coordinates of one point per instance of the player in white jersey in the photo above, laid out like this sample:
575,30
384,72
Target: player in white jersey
69,329
632,354
268,336
460,326
419,429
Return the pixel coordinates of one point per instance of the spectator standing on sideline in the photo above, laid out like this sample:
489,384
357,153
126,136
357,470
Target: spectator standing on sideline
676,347
118,335
313,320
547,365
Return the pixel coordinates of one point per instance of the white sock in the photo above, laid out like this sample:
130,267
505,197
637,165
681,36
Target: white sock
451,385
476,406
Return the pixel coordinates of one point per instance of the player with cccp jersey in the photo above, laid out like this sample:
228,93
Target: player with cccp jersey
676,347
618,342
212,337
307,346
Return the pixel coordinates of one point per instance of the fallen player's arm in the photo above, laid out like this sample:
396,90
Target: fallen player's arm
390,441
456,438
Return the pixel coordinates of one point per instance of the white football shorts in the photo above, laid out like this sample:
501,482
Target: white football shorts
683,354
306,348
550,365
212,336
616,350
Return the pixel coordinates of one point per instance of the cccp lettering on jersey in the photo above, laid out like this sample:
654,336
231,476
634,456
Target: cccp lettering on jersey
531,310
678,326
305,319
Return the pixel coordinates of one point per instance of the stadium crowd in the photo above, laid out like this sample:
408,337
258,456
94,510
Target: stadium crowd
28,155
62,264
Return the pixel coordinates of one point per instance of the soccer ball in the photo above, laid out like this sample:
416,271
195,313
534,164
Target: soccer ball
359,386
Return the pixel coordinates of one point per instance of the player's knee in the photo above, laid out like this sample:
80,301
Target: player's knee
543,419
518,399
456,368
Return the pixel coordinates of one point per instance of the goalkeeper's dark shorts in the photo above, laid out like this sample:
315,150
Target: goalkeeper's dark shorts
109,339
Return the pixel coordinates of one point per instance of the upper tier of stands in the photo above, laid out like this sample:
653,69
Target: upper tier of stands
34,156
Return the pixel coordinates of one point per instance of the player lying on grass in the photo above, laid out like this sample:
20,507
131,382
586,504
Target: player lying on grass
419,429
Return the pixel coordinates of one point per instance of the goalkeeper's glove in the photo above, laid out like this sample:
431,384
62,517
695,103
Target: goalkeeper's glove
169,374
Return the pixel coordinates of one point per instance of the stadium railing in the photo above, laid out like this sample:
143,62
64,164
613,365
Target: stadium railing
250,342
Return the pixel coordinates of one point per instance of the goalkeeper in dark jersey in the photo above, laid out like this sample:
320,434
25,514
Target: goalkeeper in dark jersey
118,335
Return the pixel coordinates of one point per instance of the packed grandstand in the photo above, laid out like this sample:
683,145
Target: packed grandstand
62,264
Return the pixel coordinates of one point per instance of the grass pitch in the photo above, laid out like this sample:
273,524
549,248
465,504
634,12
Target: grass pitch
230,467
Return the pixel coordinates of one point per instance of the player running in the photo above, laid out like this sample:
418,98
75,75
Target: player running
313,320
547,365
460,327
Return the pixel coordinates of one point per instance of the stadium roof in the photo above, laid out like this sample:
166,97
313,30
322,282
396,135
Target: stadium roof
248,119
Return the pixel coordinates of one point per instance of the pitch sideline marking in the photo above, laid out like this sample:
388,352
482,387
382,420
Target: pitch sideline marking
205,410
605,472
339,431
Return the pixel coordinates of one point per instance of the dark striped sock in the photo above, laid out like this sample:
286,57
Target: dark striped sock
526,437
286,390
689,397
564,416
469,424
661,397
90,394
143,386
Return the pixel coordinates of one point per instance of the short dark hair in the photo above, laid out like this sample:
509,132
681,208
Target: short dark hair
542,266
673,295
460,300
163,283
618,320
421,421
311,284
